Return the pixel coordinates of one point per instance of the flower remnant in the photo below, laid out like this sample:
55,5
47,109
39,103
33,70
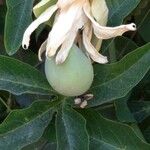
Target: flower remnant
71,17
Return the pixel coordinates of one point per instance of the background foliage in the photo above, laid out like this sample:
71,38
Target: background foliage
34,117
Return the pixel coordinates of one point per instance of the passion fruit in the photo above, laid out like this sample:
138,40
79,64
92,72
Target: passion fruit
72,78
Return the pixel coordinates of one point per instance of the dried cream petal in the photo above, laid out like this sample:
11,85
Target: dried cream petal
40,7
77,101
42,18
64,3
67,44
83,104
42,49
88,97
101,17
65,48
94,54
110,32
60,29
103,32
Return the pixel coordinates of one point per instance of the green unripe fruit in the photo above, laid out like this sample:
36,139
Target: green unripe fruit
72,78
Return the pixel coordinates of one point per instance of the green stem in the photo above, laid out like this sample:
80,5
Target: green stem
4,103
9,101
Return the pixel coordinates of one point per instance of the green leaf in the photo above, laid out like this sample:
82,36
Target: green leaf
18,78
143,29
2,18
142,15
147,133
42,144
47,141
18,18
25,100
113,81
25,126
50,132
107,111
27,56
138,131
123,46
122,110
118,47
70,130
140,110
119,9
110,135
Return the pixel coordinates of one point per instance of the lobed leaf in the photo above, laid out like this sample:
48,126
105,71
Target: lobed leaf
123,112
140,110
25,126
110,135
18,18
119,9
70,130
18,78
113,81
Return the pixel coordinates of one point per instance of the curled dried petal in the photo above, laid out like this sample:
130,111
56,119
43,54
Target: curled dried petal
103,32
110,32
94,54
83,104
61,28
77,101
70,38
45,16
65,48
42,49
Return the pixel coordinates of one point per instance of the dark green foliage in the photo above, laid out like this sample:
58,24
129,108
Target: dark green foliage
34,117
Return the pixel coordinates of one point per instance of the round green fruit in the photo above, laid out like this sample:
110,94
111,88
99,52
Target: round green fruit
72,78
